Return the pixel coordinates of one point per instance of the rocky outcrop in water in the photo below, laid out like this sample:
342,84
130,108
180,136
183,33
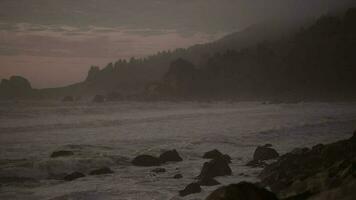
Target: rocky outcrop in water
178,176
241,191
159,170
15,87
265,152
214,168
170,156
61,154
104,170
146,161
208,181
190,189
214,154
314,172
73,176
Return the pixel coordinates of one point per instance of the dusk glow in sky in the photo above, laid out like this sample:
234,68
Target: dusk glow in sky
54,42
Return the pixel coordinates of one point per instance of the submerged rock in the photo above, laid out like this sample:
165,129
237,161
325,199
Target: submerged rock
159,170
214,168
146,161
256,163
73,176
170,156
190,189
61,154
213,154
265,153
241,191
178,176
104,170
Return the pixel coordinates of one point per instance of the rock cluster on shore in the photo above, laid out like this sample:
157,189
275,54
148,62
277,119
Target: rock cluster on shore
314,172
322,172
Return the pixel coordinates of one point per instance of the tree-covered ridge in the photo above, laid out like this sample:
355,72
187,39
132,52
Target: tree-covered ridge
317,62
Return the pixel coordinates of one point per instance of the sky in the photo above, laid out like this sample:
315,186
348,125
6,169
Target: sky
54,42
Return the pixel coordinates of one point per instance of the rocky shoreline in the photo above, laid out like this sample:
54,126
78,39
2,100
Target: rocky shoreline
323,172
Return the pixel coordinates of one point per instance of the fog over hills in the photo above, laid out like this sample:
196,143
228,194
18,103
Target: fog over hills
62,38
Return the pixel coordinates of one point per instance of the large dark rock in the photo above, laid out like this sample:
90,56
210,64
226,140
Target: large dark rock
15,87
331,165
190,189
213,154
99,99
104,170
241,191
146,161
73,176
61,154
265,153
207,181
214,168
170,156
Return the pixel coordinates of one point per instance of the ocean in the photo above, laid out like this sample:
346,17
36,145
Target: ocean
111,134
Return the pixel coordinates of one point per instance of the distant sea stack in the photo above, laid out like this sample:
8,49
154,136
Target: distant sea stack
15,87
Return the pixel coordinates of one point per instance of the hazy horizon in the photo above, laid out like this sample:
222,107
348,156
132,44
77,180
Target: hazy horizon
53,43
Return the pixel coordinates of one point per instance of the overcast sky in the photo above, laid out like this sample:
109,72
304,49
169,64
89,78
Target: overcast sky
54,42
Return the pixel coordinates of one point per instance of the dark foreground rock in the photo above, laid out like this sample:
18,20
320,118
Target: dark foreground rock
323,169
214,168
207,181
241,191
265,153
73,176
61,154
104,170
190,189
146,161
214,154
170,156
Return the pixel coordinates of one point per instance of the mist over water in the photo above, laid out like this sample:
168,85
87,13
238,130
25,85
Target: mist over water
111,134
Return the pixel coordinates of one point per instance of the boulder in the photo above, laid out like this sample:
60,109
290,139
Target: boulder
216,154
170,156
104,170
178,176
146,161
98,99
265,153
208,182
61,154
190,189
159,170
214,168
73,176
241,191
295,173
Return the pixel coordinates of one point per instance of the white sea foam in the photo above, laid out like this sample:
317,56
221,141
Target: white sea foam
111,134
